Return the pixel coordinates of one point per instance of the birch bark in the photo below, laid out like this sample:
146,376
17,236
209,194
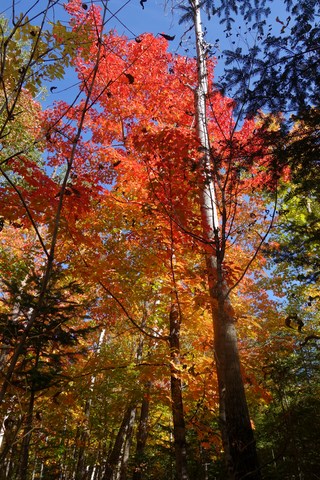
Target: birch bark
235,425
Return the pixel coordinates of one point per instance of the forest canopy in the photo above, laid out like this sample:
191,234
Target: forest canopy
159,243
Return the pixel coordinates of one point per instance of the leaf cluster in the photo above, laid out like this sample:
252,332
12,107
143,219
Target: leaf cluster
227,11
54,337
279,71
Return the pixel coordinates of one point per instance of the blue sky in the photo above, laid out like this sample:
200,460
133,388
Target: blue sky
132,20
156,17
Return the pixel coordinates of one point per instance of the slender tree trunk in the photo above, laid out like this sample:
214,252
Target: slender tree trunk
10,430
122,474
24,459
142,435
237,434
118,458
115,457
179,429
84,433
80,473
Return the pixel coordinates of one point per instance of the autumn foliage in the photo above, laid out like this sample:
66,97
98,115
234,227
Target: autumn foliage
103,241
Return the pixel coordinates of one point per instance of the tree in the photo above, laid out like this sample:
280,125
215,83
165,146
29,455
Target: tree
297,233
280,73
236,429
154,186
25,192
33,326
225,167
285,433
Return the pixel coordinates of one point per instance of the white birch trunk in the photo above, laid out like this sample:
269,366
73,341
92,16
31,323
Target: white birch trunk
236,430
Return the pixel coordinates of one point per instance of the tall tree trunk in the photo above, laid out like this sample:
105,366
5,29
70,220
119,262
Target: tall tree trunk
10,430
24,459
237,434
179,429
80,473
115,458
142,435
122,474
116,468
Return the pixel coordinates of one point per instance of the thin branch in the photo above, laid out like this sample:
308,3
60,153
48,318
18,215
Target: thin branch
29,214
308,338
155,336
263,238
